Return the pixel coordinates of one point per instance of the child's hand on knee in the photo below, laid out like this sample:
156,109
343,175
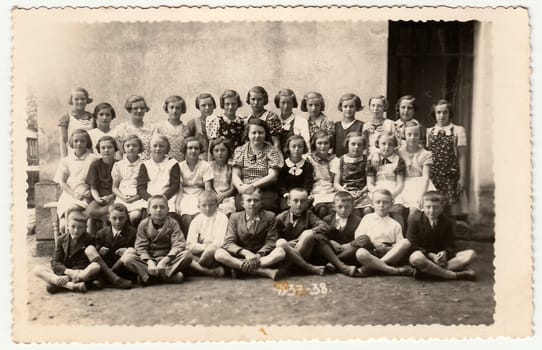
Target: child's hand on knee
442,259
76,276
151,266
103,251
121,251
161,266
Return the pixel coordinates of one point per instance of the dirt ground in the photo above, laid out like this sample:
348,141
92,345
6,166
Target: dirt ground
249,301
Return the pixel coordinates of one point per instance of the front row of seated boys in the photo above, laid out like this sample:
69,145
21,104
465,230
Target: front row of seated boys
257,242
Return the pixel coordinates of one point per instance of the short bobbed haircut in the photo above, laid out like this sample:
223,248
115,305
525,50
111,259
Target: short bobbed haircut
160,137
107,138
258,90
81,90
230,94
412,124
311,96
133,99
348,97
184,144
202,96
80,132
353,134
406,98
175,98
442,103
221,141
388,136
138,140
104,105
292,138
382,98
285,93
256,122
319,135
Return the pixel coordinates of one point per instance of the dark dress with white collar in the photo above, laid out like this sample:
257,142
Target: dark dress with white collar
294,175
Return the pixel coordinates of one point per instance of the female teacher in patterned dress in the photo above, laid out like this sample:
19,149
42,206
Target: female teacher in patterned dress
256,164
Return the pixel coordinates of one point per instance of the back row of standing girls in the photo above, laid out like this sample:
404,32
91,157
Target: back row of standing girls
343,155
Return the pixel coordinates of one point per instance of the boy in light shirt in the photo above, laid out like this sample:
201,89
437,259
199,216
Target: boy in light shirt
383,246
206,235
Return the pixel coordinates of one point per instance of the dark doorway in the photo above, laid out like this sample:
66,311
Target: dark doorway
431,60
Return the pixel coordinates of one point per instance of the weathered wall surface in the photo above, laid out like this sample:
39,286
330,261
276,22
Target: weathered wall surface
115,60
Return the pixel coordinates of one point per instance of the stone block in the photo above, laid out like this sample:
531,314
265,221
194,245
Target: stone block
44,248
45,192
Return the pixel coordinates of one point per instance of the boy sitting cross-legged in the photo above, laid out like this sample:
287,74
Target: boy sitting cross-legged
205,234
431,234
298,226
71,268
160,247
250,242
111,243
381,243
337,246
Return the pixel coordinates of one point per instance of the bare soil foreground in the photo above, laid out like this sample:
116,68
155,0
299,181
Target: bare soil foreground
248,301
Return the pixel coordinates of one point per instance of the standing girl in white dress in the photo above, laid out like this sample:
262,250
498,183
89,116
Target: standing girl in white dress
196,175
71,175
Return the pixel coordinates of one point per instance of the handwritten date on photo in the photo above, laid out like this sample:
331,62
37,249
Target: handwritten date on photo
290,290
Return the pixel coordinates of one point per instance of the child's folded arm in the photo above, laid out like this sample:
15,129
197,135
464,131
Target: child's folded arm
317,225
178,243
174,181
270,239
142,183
412,233
308,182
94,193
56,264
230,239
192,238
142,243
269,179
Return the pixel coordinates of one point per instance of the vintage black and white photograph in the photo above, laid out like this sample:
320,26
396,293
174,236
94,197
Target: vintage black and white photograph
338,167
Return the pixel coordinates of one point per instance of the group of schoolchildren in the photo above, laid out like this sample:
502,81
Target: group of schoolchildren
224,195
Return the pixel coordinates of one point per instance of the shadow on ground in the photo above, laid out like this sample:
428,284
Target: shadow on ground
206,301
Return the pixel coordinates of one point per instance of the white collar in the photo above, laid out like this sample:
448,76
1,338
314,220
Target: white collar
290,164
289,119
83,157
